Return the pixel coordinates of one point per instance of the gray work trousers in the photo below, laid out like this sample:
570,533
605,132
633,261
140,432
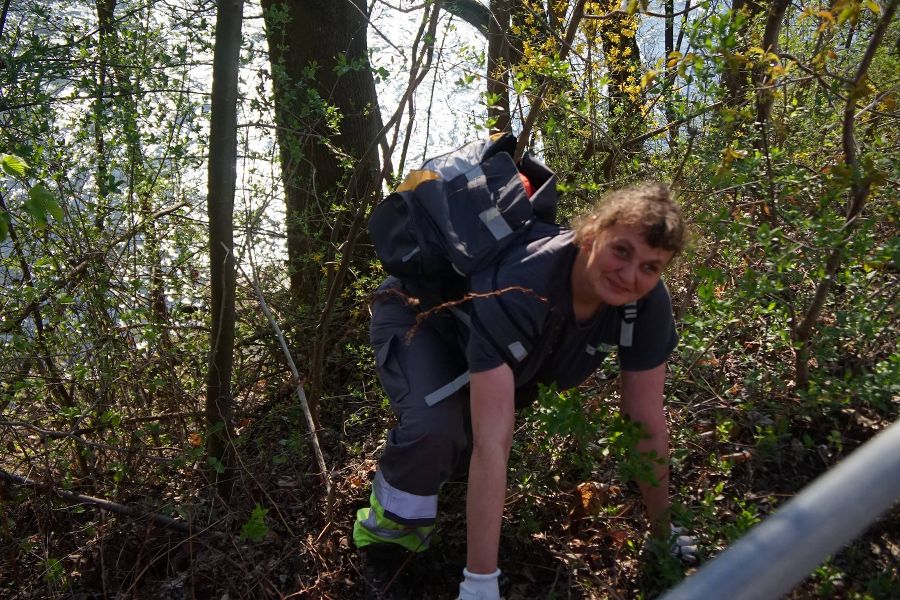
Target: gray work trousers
425,379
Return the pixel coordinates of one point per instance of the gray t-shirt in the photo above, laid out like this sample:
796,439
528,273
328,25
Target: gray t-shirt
564,351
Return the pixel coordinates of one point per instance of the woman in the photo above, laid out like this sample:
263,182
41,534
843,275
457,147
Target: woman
563,288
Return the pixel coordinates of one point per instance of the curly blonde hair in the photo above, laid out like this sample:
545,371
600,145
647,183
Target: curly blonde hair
648,205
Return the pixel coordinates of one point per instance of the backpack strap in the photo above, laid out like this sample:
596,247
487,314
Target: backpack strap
503,333
626,331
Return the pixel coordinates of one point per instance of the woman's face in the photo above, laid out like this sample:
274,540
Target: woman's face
619,267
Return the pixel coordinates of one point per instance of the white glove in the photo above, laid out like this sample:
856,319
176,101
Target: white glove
478,586
684,547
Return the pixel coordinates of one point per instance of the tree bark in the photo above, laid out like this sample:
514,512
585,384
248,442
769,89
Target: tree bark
319,57
765,95
498,66
736,77
220,208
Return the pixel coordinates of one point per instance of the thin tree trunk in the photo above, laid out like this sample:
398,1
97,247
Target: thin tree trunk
139,177
105,10
859,192
220,207
319,59
736,76
538,99
3,15
765,95
618,34
498,66
670,71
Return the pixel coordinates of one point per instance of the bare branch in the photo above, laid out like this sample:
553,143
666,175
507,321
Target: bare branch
120,509
298,386
72,277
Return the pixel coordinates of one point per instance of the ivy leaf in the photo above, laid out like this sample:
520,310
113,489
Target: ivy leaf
14,165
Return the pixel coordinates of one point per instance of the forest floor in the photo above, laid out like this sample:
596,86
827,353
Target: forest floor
566,534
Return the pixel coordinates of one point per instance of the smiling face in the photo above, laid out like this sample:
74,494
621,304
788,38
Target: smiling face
615,267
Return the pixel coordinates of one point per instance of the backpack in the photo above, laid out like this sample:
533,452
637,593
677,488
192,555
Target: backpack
461,210
453,218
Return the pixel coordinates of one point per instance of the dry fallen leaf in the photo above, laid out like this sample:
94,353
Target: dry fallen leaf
590,497
618,538
708,361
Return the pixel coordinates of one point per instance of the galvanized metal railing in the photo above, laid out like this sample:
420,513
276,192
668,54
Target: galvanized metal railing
781,551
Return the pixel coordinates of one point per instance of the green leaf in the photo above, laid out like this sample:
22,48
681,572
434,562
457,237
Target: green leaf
14,165
53,570
64,298
4,225
33,207
45,201
873,6
255,528
216,464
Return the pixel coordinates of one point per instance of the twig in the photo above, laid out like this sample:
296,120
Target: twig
676,179
688,8
703,352
668,126
298,386
161,417
424,315
121,509
59,435
73,276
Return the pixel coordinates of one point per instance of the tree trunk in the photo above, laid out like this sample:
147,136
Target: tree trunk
498,66
765,95
736,77
3,13
220,208
618,34
319,58
670,71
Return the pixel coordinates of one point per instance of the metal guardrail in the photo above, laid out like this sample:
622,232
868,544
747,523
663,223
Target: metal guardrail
781,551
